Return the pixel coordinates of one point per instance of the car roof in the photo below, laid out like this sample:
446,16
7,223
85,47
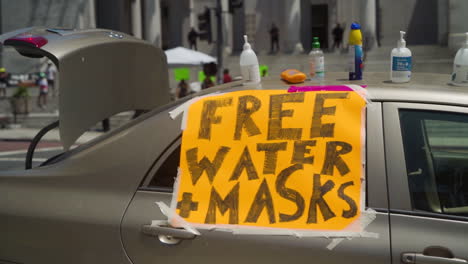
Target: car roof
426,88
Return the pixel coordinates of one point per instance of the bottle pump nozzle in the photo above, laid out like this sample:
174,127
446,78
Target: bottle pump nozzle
402,42
246,44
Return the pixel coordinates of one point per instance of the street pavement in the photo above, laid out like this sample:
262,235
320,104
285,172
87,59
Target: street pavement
15,142
13,154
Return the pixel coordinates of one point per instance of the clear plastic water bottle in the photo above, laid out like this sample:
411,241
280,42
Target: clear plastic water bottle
316,61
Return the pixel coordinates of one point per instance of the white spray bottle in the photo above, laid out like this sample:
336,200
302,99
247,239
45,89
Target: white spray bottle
460,66
249,64
401,62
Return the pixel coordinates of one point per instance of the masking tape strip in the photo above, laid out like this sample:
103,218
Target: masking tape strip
159,222
334,243
364,93
356,229
170,212
366,218
175,219
363,154
179,109
183,108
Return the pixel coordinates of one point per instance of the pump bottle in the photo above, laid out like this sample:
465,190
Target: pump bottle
460,65
401,62
249,64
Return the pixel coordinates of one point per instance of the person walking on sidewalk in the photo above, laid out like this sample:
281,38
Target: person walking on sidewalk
51,72
207,83
226,77
43,90
337,36
192,39
4,82
274,38
182,89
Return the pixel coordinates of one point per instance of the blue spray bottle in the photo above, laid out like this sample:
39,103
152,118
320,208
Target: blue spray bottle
355,52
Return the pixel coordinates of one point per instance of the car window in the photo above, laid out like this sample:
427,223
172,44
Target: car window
167,172
436,154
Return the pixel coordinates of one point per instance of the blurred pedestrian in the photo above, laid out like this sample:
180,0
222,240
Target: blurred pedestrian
207,83
182,89
43,90
226,77
192,38
337,33
51,72
274,38
4,82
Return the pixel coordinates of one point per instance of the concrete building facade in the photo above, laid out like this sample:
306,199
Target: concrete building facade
166,23
427,22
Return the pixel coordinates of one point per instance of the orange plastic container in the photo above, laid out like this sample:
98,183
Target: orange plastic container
293,76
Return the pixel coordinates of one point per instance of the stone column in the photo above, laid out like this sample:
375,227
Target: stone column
152,21
293,26
136,18
193,15
251,21
227,28
369,23
87,15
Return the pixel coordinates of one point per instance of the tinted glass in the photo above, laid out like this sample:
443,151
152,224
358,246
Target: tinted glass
436,154
167,172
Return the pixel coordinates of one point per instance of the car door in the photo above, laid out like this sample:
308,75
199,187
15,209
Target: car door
427,168
145,246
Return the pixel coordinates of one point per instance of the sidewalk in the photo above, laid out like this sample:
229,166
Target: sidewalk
27,134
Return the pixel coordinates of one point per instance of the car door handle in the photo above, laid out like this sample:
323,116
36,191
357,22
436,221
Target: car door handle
172,232
419,258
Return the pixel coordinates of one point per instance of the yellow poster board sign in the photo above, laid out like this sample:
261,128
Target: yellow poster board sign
271,159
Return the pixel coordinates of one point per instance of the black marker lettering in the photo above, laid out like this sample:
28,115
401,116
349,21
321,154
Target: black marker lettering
262,200
317,200
245,162
333,159
352,204
271,155
275,122
244,119
186,205
231,203
324,130
208,116
300,149
290,194
197,168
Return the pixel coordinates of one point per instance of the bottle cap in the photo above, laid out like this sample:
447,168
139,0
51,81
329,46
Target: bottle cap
316,43
355,26
401,41
246,44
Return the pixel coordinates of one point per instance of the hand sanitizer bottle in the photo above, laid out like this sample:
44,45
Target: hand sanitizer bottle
460,66
249,64
401,62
